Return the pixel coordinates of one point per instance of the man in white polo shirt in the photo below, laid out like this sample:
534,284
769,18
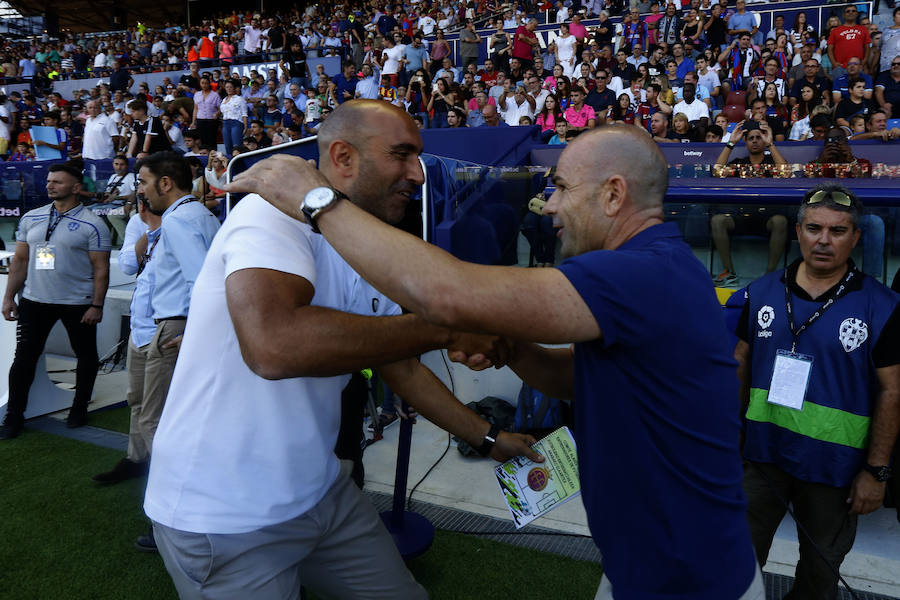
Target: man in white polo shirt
101,135
243,474
696,110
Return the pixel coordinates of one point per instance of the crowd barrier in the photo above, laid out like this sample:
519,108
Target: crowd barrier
816,13
474,210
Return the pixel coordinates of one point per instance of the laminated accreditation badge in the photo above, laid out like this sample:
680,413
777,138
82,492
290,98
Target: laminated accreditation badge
45,259
790,379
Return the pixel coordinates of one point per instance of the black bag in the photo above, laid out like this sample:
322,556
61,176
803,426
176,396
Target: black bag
496,411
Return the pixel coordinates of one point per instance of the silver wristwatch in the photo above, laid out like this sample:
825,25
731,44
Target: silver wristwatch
318,200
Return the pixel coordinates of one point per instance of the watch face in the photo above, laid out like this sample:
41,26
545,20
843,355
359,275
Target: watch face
318,198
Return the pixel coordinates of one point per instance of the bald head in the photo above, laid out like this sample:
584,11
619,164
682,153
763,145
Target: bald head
598,154
354,122
369,149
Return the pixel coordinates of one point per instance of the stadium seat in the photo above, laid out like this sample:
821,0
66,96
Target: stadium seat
736,97
731,127
891,123
734,113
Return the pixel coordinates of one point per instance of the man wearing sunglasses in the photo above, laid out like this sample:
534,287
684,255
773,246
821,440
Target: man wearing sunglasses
820,394
850,40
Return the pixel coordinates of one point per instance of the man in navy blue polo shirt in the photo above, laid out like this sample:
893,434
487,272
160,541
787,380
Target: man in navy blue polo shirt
651,371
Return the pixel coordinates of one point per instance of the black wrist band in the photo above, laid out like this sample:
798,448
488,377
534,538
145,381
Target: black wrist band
490,438
100,306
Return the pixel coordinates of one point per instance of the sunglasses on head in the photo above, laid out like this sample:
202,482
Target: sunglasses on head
839,197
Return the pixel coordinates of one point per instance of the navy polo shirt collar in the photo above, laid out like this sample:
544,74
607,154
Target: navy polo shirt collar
650,235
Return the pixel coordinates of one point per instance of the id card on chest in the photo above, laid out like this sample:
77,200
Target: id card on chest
790,379
45,257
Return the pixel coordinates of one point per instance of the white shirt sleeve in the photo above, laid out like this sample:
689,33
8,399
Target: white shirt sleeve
259,236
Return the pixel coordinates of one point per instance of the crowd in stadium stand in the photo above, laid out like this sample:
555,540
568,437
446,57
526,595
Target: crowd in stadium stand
683,73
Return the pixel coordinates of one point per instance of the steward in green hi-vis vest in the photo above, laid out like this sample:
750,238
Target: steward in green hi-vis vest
825,438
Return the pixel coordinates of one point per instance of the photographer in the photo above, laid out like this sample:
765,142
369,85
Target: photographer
758,138
418,95
115,202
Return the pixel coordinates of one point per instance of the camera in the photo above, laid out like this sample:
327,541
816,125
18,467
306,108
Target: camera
751,125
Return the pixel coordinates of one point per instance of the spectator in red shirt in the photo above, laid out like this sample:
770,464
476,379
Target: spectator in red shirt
849,40
524,43
488,74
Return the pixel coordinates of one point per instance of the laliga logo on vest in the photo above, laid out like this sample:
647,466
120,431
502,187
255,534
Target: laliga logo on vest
764,317
853,334
73,226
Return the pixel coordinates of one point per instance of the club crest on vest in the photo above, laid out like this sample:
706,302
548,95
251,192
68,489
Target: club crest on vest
853,334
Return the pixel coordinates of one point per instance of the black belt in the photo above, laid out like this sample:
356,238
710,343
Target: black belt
158,321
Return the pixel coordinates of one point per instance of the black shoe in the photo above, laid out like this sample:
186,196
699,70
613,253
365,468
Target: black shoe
77,417
146,543
8,432
124,470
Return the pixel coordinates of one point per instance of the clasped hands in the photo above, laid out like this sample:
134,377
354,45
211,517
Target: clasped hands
478,351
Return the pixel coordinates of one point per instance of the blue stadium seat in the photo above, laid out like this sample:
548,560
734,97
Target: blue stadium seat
891,123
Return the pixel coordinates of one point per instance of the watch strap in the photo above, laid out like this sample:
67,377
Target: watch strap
881,473
490,438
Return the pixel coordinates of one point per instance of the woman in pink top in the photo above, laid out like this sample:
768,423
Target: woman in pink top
226,49
439,49
548,117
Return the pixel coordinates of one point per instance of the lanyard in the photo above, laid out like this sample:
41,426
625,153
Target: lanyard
147,256
834,297
53,224
149,253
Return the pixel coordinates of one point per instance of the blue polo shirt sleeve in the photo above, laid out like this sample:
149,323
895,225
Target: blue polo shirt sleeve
614,285
189,248
128,261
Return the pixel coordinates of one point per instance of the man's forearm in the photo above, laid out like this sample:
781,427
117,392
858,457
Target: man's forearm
101,284
413,382
15,280
885,427
550,370
344,343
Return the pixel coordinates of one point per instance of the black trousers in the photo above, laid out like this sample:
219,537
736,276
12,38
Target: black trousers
36,319
208,130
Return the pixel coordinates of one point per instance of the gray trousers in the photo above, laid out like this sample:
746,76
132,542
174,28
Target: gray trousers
756,591
823,512
338,549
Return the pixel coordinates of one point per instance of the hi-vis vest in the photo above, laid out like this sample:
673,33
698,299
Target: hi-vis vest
825,441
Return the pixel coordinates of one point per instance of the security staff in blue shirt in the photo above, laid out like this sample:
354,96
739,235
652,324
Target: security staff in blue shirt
820,367
651,371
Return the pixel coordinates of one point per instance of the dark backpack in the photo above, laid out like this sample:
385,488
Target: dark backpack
538,413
